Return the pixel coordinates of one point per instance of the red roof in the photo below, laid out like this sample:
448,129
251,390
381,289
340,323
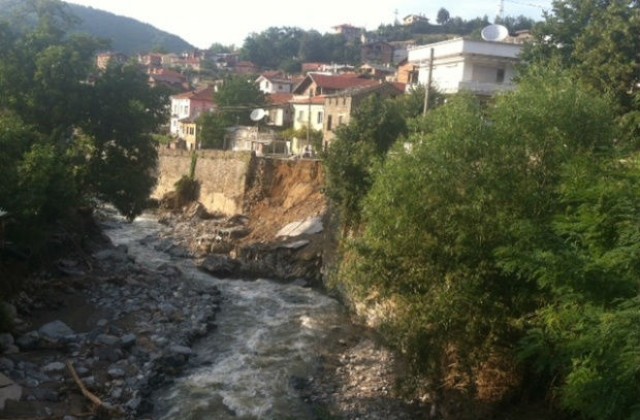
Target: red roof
205,94
279,98
333,82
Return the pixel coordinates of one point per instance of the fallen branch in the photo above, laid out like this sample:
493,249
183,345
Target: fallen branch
88,394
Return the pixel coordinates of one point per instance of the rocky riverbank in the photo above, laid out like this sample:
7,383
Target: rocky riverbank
124,329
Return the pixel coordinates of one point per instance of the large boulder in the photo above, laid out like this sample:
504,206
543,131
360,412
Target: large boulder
56,330
220,266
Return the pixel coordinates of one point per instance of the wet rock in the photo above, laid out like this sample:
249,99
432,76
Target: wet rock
28,341
108,340
128,341
116,373
6,365
56,330
54,367
219,266
6,340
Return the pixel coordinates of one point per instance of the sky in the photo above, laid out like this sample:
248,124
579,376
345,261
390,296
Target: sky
202,23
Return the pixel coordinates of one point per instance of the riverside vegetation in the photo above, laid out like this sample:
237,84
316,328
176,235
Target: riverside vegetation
495,244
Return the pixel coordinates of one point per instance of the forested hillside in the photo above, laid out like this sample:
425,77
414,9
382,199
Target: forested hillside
126,35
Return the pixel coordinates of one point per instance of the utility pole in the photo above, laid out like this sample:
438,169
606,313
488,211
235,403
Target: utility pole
427,88
308,123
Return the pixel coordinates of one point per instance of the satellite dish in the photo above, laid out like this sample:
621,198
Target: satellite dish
494,33
257,114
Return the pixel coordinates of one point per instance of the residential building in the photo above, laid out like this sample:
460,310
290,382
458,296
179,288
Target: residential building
339,107
349,32
151,60
274,82
308,113
279,110
413,19
407,73
186,108
104,59
315,84
245,67
378,71
169,78
378,52
482,67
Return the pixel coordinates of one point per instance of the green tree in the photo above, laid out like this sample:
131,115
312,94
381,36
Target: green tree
270,48
499,239
597,40
235,100
443,16
358,149
123,115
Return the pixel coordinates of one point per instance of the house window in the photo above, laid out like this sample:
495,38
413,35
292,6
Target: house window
344,100
266,85
340,120
300,115
329,122
320,117
500,76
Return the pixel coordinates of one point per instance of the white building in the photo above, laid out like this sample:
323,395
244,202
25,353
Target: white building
274,82
481,67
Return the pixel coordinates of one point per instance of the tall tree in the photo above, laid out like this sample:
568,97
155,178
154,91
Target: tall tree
443,16
235,100
597,40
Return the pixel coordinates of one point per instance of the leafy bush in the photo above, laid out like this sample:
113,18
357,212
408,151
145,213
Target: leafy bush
506,241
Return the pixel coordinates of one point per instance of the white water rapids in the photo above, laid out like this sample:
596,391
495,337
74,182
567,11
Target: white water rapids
269,336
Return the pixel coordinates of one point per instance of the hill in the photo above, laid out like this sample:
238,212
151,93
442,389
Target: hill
127,35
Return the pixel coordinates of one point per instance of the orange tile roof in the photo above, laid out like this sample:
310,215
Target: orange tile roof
279,98
339,82
205,94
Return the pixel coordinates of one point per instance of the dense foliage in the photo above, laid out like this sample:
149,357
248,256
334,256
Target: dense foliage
125,35
503,246
68,134
235,99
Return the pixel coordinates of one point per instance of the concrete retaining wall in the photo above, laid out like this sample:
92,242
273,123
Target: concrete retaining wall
223,176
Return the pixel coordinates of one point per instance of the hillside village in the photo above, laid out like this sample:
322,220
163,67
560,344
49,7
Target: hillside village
324,96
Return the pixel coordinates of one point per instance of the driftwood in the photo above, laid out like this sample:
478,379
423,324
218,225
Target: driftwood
97,402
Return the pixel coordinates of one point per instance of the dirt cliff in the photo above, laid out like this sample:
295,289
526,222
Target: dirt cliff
282,192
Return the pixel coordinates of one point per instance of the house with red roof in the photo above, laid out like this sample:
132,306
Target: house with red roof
185,109
169,78
315,84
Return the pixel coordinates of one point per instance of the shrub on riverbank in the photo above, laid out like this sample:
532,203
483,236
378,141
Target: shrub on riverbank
505,242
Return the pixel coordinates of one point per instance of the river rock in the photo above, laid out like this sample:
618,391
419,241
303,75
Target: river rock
54,367
219,266
56,330
6,340
108,340
28,341
9,390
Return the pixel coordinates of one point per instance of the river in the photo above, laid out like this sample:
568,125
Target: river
270,338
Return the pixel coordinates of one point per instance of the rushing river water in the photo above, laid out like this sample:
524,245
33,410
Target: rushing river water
269,336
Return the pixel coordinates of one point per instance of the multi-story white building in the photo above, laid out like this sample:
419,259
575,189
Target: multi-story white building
481,67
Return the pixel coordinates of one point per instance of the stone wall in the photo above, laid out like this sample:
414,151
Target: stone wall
222,175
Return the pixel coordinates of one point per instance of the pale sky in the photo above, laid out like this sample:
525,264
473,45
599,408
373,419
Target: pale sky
202,22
